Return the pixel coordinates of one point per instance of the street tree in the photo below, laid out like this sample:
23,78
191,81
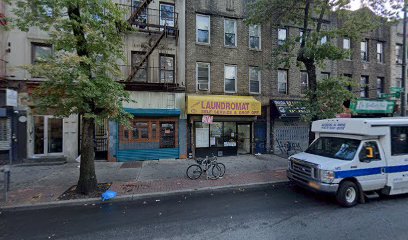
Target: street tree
320,22
80,74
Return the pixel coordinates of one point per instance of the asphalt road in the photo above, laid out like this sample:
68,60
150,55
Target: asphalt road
277,212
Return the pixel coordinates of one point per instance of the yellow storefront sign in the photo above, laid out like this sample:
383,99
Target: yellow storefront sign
223,105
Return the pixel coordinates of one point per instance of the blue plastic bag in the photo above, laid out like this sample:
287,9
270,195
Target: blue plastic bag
108,195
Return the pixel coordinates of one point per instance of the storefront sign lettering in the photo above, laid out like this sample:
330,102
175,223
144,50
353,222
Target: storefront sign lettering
223,105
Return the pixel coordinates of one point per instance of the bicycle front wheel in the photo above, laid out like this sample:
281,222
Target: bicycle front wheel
215,172
194,171
222,166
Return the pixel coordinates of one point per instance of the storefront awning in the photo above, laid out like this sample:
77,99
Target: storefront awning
223,105
286,109
143,112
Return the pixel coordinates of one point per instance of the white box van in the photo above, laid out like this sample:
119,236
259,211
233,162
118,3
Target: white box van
351,157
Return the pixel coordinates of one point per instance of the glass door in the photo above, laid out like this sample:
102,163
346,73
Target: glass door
48,135
167,135
244,138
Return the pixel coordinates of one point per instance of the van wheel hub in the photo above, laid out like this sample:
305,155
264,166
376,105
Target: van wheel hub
350,195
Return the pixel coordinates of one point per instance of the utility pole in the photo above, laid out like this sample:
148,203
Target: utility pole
404,63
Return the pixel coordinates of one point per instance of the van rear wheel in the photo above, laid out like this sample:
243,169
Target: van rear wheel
347,194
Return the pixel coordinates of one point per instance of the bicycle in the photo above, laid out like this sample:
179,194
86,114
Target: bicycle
195,171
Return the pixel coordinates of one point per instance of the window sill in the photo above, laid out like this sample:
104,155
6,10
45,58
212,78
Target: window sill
230,92
255,49
254,93
203,44
232,47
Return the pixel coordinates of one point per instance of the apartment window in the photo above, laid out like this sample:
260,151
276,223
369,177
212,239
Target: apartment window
364,50
347,47
380,86
398,82
283,81
398,53
324,75
230,32
167,69
203,76
141,20
380,52
282,36
40,52
203,29
255,36
141,74
304,82
323,40
364,86
230,79
254,80
167,15
350,79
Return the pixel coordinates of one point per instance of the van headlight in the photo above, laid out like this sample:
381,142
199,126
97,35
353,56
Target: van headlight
326,176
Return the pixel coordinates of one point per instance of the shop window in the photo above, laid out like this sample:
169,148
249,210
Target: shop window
202,134
399,141
140,130
167,135
216,139
230,134
154,131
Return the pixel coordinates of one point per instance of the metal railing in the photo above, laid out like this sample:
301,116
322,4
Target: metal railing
150,74
152,20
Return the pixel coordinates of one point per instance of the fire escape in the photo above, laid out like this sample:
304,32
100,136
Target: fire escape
158,30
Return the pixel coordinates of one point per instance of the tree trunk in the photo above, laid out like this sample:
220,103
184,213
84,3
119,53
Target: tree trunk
87,178
311,71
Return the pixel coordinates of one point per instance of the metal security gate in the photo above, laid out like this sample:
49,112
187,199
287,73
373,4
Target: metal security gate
290,137
100,140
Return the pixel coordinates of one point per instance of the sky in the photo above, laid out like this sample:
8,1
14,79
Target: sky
355,4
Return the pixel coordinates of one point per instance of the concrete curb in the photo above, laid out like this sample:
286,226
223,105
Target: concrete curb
124,198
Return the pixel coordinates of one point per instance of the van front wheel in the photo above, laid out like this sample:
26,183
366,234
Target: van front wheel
347,194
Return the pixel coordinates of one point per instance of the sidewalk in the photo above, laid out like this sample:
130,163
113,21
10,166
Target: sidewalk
31,185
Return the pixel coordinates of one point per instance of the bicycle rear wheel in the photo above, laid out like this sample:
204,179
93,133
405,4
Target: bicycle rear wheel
222,166
194,171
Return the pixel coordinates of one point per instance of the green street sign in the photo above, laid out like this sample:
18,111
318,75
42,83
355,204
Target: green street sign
368,106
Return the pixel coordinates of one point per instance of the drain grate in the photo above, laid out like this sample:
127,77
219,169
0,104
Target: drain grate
137,164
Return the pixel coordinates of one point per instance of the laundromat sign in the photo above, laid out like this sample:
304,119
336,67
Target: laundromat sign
223,105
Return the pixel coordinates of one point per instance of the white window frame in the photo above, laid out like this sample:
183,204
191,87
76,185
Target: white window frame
236,79
381,52
365,50
209,76
260,36
287,81
209,29
259,80
235,32
348,48
286,36
307,82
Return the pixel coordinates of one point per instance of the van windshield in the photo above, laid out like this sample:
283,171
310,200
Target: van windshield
332,147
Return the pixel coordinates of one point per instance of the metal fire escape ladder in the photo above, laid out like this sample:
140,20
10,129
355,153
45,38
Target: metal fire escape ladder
145,57
136,13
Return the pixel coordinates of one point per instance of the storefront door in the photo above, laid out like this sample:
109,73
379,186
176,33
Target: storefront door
48,135
244,138
167,135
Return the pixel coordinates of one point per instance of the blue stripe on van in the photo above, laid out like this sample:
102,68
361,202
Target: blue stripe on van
357,172
370,171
